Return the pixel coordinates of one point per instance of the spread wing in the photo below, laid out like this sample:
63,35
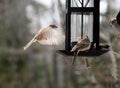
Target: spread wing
51,37
33,39
47,36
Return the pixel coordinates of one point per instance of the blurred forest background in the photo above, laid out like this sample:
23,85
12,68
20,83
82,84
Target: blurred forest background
21,19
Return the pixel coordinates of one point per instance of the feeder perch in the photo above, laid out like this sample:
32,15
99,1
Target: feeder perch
82,18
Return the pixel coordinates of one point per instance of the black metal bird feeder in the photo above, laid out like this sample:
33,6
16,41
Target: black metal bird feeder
82,18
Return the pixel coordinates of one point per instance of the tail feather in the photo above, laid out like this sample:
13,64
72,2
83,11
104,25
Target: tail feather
29,44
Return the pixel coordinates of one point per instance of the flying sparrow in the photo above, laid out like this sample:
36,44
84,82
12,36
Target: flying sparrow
82,45
115,22
48,35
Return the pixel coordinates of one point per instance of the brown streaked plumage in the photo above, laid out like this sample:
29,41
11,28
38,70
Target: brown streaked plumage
48,35
82,45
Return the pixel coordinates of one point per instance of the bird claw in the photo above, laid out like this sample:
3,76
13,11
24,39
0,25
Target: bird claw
87,63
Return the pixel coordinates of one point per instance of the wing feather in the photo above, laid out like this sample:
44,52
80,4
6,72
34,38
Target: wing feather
53,37
47,36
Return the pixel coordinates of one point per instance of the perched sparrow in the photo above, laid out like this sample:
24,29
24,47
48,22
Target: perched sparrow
48,35
115,22
82,45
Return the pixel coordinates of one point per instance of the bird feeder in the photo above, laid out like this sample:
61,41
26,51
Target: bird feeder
82,18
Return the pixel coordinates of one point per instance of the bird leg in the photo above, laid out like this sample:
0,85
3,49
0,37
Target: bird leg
74,58
87,63
118,36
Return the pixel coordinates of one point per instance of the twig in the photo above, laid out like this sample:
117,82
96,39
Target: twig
76,3
80,2
87,3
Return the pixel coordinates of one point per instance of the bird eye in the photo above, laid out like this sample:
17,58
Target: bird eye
53,26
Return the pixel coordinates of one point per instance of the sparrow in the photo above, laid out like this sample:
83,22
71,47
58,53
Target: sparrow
115,22
48,35
83,44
